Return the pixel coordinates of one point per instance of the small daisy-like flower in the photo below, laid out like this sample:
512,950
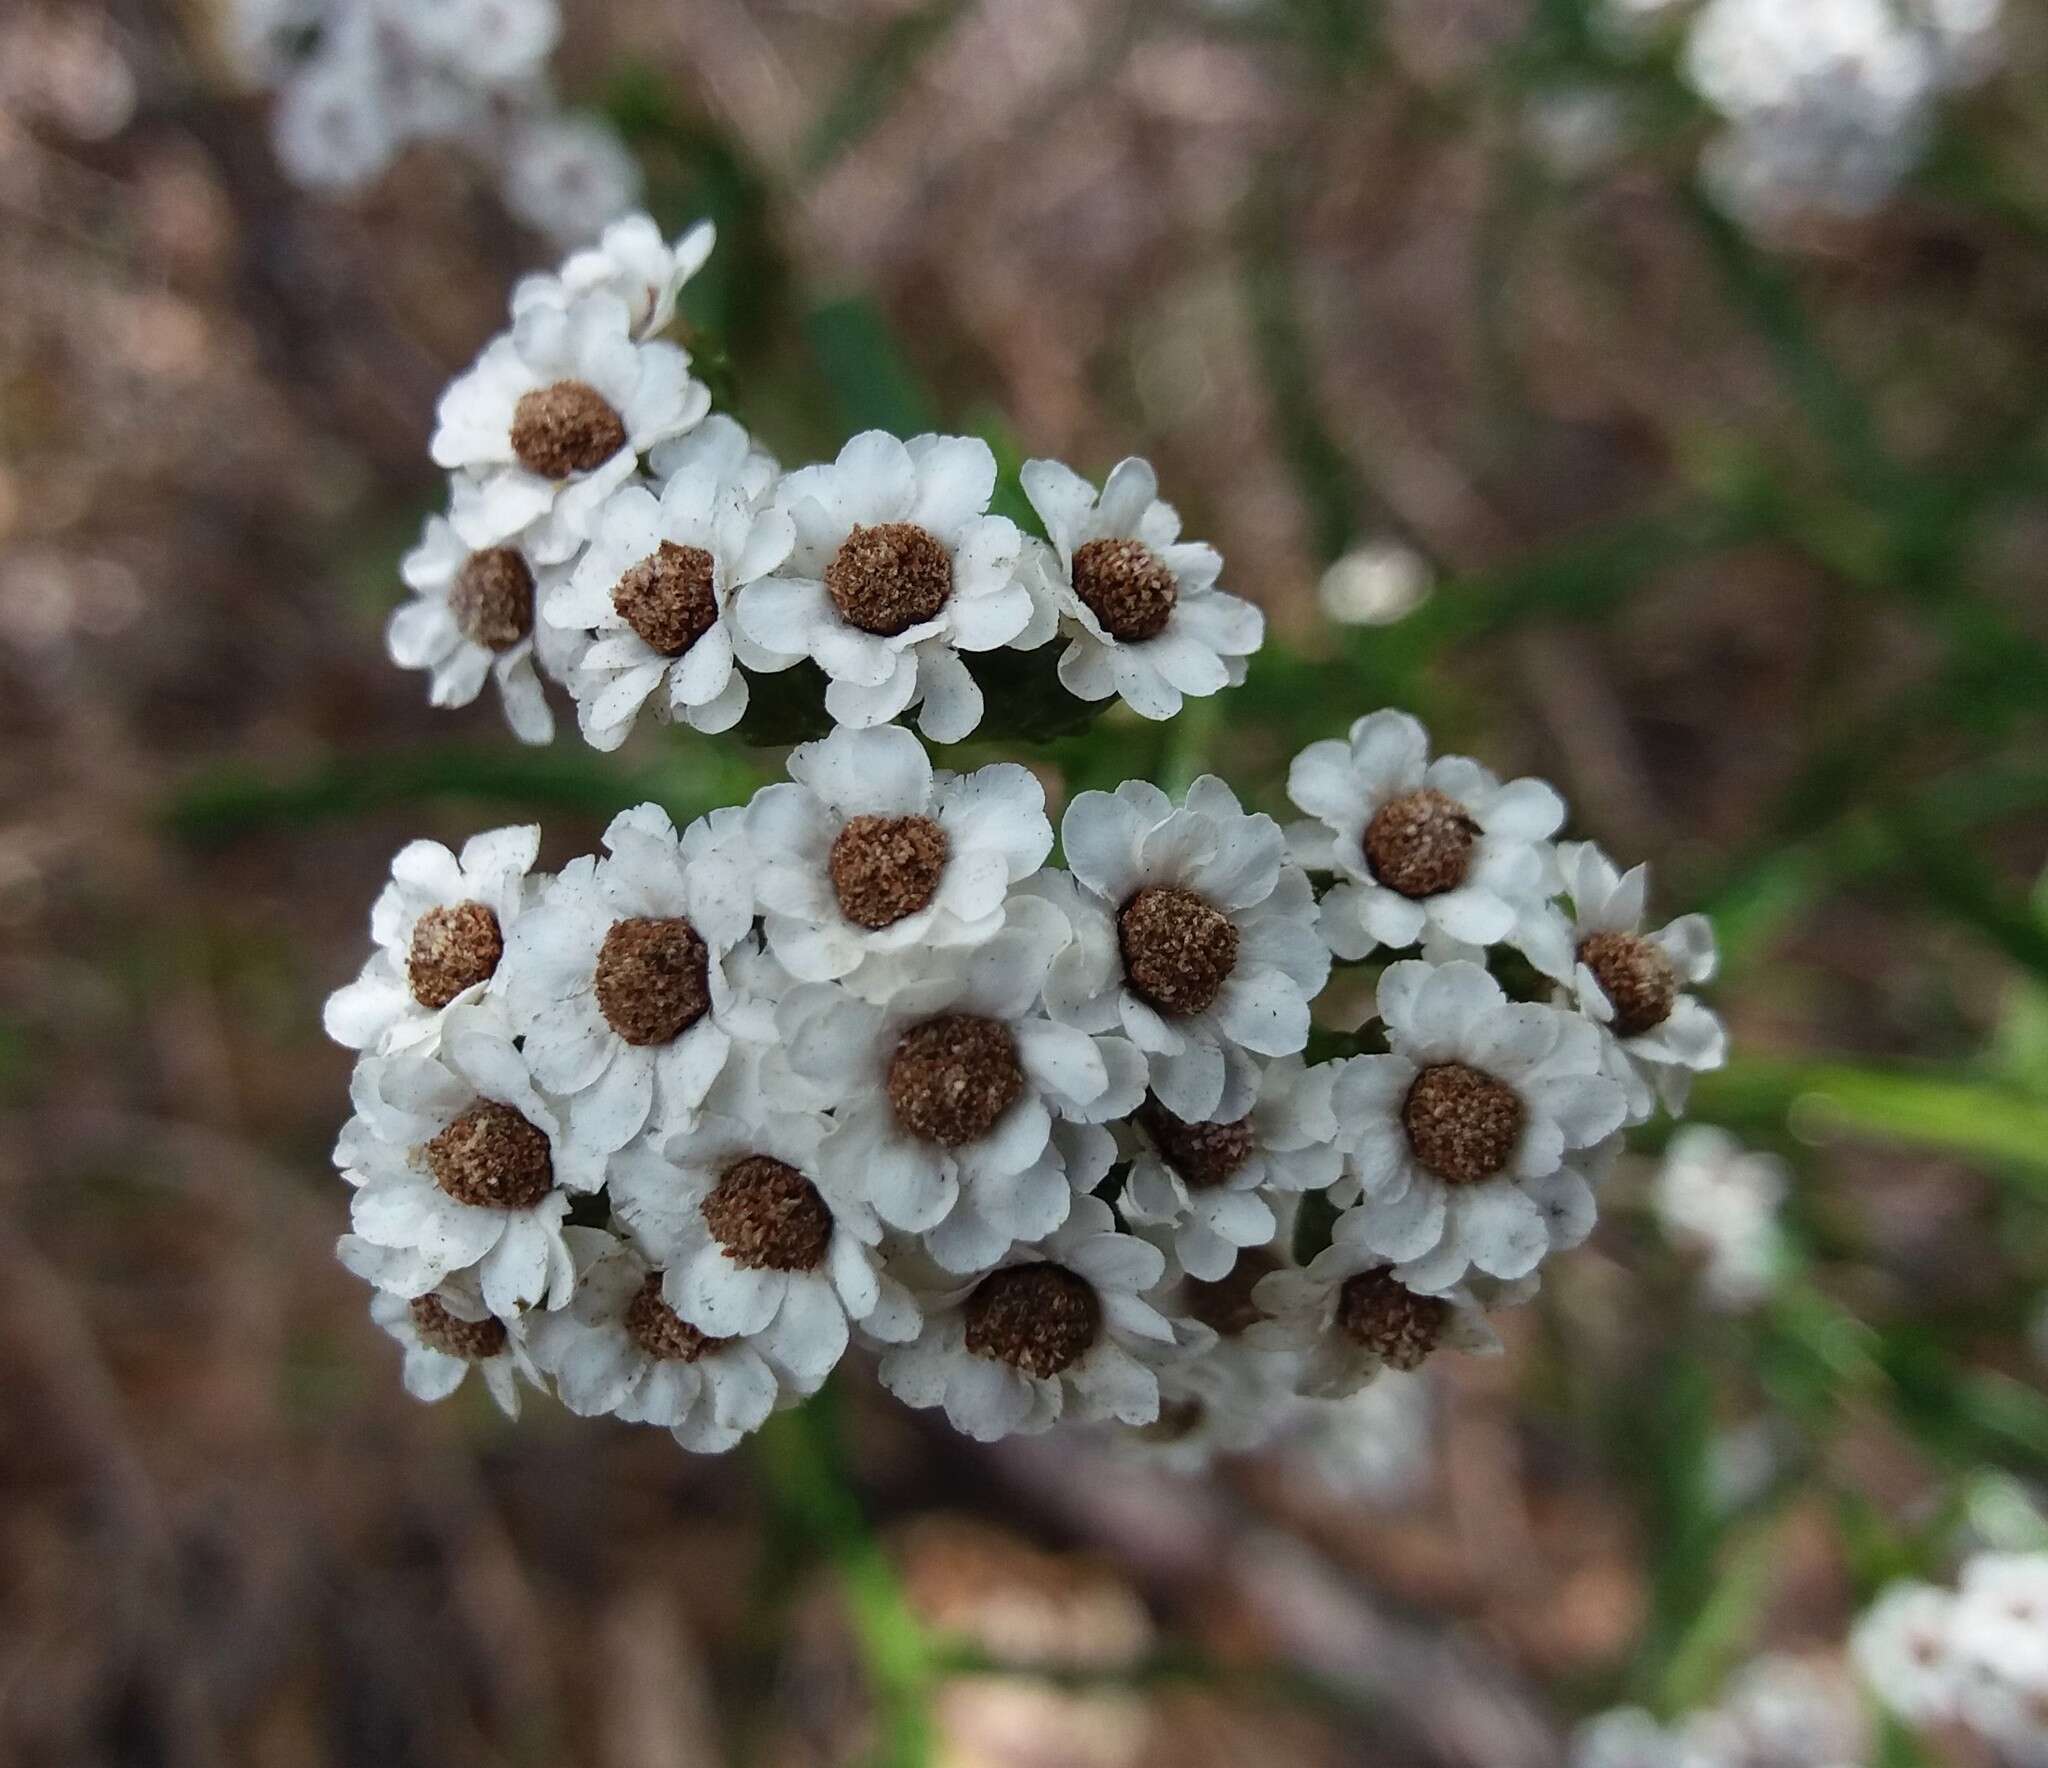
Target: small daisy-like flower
2000,1625
445,1333
655,588
1905,1651
1422,848
1374,1446
1349,1316
1060,1329
1209,1182
552,420
459,1165
866,850
334,128
947,1085
1193,933
1230,1398
618,1349
616,979
439,928
1632,982
471,618
483,42
1139,606
1714,1197
632,261
1471,1138
566,175
1627,1737
756,1245
898,568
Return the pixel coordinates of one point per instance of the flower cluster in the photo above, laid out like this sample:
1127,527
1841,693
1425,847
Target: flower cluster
1779,1712
1975,1657
674,1128
358,81
1720,1201
1827,104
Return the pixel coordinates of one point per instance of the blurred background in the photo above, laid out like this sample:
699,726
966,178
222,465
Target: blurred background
1731,528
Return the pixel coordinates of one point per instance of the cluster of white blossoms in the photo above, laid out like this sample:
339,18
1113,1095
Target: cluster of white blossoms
854,1064
359,81
1828,104
1779,1712
1973,1658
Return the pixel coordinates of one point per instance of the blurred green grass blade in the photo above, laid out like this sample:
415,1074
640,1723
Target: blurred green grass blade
1960,884
1720,1628
889,65
872,385
1925,1107
237,800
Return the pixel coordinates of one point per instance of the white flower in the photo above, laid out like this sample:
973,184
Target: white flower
618,1349
1784,1712
947,1087
1903,1648
1222,1398
2000,1625
655,587
484,42
333,128
460,1165
550,422
1209,1182
756,1244
897,569
1192,934
866,850
616,979
1716,1197
1421,847
439,927
566,175
445,1333
1472,1137
631,261
1632,982
1349,1316
472,616
1139,606
1374,1446
1060,1329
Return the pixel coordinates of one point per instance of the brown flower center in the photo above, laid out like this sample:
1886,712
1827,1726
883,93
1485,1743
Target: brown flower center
888,578
1126,587
492,598
452,949
1204,1154
662,1332
567,428
1037,1318
492,1158
475,1341
886,867
1177,1421
1376,1310
1636,977
1178,950
952,1078
653,979
668,599
1463,1125
768,1216
1225,1305
1420,844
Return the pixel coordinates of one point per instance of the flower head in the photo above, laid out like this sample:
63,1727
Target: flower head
632,262
445,1333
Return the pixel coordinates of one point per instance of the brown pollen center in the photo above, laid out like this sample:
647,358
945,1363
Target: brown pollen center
1420,844
1224,1304
569,427
453,948
1376,1310
475,1341
888,578
886,867
492,1158
653,979
768,1216
668,597
1036,1318
1635,975
662,1332
492,598
1204,1154
1178,950
952,1078
1126,587
1462,1125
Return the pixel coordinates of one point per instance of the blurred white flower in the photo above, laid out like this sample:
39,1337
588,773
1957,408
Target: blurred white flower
1716,1198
